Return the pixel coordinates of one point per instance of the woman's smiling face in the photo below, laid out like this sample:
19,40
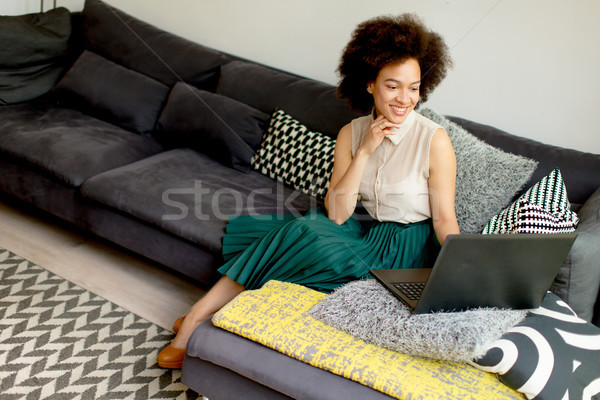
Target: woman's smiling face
396,90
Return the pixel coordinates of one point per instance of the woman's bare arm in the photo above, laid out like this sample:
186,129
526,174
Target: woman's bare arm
442,182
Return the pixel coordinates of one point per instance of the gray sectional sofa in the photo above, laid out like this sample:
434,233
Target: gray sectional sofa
134,143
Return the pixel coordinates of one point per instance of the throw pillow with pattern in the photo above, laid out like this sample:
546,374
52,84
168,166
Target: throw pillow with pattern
550,194
292,154
552,354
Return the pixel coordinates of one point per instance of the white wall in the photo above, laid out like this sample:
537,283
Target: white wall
528,67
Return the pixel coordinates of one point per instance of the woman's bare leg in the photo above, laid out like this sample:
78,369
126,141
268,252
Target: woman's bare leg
225,290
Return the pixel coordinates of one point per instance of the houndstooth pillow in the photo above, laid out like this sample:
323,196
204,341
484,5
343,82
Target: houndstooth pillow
550,194
296,156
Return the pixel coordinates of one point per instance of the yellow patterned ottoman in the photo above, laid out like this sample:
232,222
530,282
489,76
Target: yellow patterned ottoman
276,316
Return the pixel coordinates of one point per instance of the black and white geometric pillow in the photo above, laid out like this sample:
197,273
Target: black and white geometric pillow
549,193
552,354
532,218
296,156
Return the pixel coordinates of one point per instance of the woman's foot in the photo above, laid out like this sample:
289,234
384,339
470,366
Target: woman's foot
177,324
171,357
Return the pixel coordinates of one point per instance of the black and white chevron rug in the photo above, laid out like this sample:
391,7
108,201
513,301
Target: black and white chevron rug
59,341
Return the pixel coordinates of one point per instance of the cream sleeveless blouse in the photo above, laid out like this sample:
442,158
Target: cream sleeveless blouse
394,185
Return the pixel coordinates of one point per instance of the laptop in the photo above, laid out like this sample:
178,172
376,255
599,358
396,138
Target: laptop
501,270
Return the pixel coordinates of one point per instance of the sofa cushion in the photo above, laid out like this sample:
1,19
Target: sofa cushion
66,143
487,178
191,195
296,156
33,50
142,47
314,103
113,93
578,281
223,128
552,354
579,169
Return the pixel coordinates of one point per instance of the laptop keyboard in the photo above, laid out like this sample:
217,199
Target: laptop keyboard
412,290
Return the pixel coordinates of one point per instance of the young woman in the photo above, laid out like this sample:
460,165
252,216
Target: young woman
400,164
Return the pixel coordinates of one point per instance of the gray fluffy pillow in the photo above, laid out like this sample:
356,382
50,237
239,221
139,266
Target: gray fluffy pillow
487,178
366,310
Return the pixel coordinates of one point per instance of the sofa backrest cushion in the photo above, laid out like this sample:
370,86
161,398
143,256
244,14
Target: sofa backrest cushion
579,170
223,128
33,53
144,48
312,103
113,93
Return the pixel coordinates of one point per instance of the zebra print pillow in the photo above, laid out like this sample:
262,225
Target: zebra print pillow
552,354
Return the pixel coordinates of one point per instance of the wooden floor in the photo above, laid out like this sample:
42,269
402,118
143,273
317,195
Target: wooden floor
136,285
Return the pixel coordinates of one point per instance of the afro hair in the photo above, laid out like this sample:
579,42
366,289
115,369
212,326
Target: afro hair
384,40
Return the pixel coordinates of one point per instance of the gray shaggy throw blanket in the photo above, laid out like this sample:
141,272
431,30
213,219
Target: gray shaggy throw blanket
366,310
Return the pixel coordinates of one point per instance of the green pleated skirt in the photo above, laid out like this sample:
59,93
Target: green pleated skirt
313,251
